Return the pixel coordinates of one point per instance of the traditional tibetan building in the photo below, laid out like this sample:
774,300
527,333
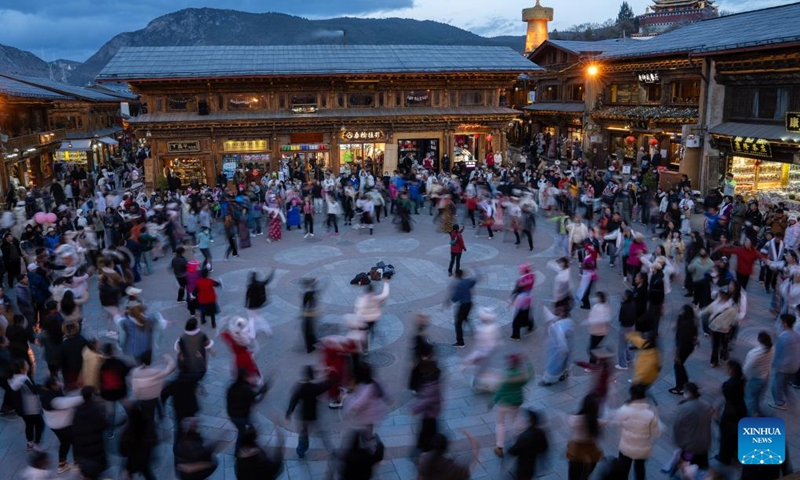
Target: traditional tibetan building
319,107
666,14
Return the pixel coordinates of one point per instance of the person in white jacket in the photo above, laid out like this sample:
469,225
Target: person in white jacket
368,309
598,323
147,382
639,427
58,411
487,338
562,296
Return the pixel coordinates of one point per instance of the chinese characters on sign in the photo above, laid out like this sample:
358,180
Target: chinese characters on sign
649,77
245,146
369,135
793,122
183,147
300,109
755,147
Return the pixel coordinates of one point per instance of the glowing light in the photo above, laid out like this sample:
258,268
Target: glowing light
592,70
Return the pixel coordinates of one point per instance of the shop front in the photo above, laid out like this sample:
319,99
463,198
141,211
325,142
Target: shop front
471,143
187,160
307,155
74,154
764,161
249,157
29,171
363,148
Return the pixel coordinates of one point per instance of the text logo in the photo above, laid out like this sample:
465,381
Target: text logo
762,441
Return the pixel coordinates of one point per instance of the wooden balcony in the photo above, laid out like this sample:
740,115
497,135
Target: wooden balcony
23,142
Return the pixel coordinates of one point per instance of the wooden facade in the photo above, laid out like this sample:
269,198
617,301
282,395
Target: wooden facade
202,126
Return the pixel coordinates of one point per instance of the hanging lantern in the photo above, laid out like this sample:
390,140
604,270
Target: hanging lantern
653,142
489,138
630,139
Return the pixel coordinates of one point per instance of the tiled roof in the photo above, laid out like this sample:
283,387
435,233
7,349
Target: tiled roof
557,107
774,25
81,93
341,113
749,130
229,61
14,88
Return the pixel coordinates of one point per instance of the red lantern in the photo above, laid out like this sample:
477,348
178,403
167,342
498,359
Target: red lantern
489,138
653,142
630,139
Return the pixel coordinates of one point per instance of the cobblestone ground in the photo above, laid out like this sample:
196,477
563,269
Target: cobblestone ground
419,285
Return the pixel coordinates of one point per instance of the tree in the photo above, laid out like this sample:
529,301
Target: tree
626,20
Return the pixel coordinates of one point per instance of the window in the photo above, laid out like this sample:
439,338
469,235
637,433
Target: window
244,102
453,98
398,99
624,93
361,100
686,91
653,91
340,100
298,99
418,98
763,103
324,100
181,103
470,98
576,92
381,99
548,93
159,104
281,101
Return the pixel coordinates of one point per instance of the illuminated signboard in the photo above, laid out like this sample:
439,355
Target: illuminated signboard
183,147
754,147
245,145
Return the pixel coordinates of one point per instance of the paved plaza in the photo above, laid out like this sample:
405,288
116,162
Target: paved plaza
420,284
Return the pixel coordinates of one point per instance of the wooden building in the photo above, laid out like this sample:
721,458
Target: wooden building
319,107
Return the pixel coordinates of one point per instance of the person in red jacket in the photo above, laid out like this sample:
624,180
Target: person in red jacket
457,247
207,298
746,257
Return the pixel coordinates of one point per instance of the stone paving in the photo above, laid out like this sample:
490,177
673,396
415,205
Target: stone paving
420,284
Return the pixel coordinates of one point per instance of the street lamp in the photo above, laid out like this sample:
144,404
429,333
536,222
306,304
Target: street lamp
592,70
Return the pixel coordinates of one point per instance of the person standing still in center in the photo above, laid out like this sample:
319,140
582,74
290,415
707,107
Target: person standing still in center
461,294
457,247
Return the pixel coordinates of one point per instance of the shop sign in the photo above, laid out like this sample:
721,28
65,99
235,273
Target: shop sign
305,138
300,109
754,147
305,147
793,122
648,77
417,97
183,147
640,125
245,146
229,169
368,135
464,127
256,157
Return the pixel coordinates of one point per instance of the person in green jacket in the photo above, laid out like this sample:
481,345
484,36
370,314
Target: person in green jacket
509,397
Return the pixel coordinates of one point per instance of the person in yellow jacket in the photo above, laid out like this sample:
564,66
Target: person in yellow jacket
648,362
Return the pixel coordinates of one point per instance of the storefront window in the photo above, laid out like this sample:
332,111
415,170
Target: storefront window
418,98
752,174
365,155
186,170
244,102
624,93
361,100
181,103
471,98
686,91
419,150
466,149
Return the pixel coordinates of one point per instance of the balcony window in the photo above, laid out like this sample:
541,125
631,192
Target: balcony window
244,102
653,91
361,100
624,93
303,99
418,98
758,103
577,92
686,92
548,93
181,103
471,98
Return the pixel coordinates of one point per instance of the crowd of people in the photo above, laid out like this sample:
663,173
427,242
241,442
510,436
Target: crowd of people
106,225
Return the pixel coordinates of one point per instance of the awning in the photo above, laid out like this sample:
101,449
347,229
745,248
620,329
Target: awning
75,145
773,133
108,141
574,108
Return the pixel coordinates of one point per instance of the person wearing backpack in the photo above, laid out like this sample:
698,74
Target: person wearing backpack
29,407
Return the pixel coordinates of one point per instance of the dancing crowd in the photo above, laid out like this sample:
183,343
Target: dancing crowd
93,236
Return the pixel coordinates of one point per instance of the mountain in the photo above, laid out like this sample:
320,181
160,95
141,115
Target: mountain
14,60
209,26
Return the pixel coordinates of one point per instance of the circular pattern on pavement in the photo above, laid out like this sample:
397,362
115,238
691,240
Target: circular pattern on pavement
444,318
496,277
307,255
379,359
476,252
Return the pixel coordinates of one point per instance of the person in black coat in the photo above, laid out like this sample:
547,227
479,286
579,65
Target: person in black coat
88,439
734,410
529,445
685,341
256,463
306,393
194,459
256,295
12,255
241,396
361,456
183,391
137,443
72,354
